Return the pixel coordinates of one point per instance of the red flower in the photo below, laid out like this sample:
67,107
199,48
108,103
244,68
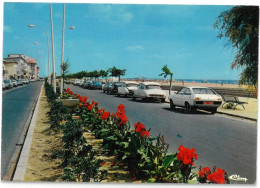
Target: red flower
120,107
124,120
85,104
75,96
112,164
90,107
217,176
105,115
205,171
186,155
103,163
80,105
97,104
78,96
68,90
93,102
100,111
139,127
145,134
133,179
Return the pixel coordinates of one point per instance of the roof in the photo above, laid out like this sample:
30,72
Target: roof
192,87
151,83
130,82
10,60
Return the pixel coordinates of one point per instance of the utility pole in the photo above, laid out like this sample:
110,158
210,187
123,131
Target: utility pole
53,56
62,50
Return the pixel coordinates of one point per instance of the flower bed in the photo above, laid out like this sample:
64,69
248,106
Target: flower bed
146,157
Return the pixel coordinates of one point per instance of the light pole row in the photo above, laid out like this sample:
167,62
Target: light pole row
53,55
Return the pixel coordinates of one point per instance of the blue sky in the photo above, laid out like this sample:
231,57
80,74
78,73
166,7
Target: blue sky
139,38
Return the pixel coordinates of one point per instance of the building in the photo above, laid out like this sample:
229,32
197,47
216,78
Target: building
20,66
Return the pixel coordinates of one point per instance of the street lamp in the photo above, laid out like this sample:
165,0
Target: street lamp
62,49
31,25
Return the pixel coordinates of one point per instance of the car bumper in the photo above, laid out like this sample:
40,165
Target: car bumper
207,104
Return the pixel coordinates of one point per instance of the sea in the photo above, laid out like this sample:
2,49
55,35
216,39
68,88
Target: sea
209,81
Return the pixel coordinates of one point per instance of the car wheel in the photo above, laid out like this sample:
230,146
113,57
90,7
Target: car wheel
188,108
213,111
172,105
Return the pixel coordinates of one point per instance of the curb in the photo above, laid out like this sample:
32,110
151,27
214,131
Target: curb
233,115
24,155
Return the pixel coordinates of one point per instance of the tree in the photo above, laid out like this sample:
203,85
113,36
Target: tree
240,25
96,74
116,72
165,73
103,74
65,70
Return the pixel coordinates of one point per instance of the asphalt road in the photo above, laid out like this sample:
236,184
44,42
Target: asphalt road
17,104
229,143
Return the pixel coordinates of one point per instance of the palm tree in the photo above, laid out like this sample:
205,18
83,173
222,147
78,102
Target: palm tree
116,72
166,72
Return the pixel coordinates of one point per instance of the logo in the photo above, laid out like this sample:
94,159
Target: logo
237,178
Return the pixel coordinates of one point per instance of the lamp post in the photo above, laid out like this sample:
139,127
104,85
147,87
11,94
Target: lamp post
31,25
62,49
53,56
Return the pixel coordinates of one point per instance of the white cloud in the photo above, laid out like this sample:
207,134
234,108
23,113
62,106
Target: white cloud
135,48
8,29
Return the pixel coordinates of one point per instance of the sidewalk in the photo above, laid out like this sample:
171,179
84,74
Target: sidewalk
250,111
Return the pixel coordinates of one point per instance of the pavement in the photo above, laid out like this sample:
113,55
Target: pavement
250,112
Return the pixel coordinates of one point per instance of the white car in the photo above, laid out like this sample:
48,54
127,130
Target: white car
127,88
149,90
193,98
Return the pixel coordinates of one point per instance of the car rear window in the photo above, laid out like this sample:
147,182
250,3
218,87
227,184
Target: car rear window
153,87
203,91
131,85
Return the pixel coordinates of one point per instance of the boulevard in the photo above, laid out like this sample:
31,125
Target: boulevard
227,142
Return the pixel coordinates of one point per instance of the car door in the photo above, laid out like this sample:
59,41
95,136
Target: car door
186,97
178,97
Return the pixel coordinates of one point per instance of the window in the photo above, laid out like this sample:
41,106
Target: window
187,91
203,91
131,85
153,87
141,86
181,92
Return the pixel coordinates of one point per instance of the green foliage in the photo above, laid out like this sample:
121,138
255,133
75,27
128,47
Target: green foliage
116,72
240,25
51,96
230,105
166,71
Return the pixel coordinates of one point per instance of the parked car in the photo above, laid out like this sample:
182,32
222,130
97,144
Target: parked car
14,82
8,84
107,87
96,85
87,84
127,88
149,90
3,85
115,86
76,82
19,82
193,98
81,83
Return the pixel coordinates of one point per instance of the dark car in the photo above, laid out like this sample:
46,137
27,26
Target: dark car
87,84
96,85
107,87
114,87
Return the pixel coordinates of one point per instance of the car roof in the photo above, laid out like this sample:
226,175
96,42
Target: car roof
130,82
150,83
194,87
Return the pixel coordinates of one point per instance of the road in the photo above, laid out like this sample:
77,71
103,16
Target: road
229,143
17,104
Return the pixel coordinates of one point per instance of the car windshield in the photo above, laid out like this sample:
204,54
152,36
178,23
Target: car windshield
98,82
131,85
153,87
119,84
203,91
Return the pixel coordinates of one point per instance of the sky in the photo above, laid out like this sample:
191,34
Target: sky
140,38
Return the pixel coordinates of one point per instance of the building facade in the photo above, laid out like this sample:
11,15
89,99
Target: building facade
20,66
